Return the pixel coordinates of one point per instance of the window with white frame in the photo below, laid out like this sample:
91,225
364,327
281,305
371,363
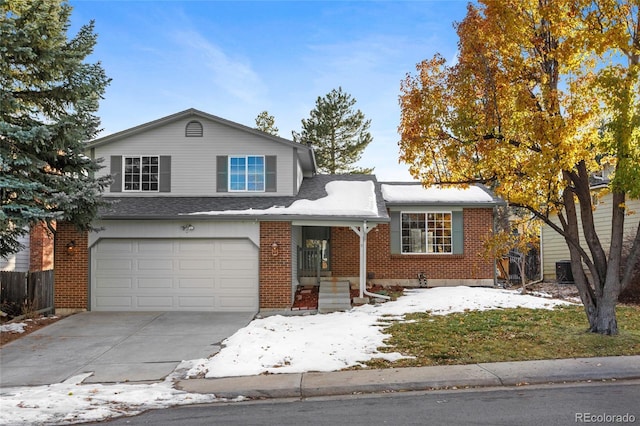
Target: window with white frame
246,173
141,173
426,233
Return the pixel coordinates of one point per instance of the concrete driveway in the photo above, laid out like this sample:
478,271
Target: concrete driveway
116,346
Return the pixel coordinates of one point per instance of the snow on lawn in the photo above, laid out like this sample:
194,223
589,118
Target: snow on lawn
277,344
295,344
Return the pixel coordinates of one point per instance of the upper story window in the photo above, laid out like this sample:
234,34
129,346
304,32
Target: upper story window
141,173
246,173
426,233
193,129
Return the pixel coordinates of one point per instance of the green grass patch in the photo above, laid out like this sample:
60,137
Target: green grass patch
507,335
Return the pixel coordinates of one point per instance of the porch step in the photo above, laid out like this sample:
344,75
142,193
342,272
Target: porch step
334,296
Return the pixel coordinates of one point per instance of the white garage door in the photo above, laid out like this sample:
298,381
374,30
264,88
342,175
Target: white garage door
173,274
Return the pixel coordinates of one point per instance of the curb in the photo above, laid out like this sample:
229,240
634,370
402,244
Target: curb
304,385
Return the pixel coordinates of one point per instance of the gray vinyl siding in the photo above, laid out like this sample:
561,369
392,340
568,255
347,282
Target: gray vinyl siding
554,247
18,262
193,160
173,229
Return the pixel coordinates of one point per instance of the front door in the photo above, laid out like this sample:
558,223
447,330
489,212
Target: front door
317,241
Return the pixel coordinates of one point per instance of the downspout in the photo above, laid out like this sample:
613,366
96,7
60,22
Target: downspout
362,233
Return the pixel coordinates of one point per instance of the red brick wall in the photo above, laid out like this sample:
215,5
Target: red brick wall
40,248
275,265
71,268
470,265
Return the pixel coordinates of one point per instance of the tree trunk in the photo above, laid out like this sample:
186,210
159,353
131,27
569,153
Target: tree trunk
605,321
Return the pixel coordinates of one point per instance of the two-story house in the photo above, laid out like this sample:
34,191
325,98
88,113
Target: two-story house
208,214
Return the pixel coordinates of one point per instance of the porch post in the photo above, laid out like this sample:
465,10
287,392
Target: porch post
362,232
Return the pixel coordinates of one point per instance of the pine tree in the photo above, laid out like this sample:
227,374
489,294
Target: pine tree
337,133
48,97
266,123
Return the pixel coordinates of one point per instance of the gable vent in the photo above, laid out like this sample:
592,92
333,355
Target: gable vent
193,129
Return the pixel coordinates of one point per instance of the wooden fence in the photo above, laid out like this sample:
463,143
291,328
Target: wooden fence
26,292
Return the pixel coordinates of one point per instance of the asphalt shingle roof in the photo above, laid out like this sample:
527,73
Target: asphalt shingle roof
167,207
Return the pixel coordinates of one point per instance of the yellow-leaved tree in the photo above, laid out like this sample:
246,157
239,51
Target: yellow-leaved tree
544,93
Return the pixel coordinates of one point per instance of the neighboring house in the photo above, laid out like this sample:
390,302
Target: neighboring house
554,247
17,262
208,214
37,254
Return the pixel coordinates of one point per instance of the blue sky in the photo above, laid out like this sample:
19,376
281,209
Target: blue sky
236,59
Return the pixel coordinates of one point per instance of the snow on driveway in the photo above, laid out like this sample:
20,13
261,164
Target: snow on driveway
276,344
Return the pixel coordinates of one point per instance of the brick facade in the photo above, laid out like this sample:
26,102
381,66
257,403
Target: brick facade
71,269
40,248
383,265
275,265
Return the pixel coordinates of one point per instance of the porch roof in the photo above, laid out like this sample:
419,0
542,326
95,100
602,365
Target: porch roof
321,198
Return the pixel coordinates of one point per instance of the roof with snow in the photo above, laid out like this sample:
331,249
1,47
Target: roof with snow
322,197
328,197
403,193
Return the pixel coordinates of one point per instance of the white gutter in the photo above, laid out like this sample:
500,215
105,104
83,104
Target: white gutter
362,233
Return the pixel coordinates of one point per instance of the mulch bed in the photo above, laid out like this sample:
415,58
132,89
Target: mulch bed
31,325
306,297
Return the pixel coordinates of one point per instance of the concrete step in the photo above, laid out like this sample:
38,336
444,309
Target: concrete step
334,286
334,296
333,291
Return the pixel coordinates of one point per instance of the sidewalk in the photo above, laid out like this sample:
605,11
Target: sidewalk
304,385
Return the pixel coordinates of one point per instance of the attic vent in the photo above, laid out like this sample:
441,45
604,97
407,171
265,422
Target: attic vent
193,129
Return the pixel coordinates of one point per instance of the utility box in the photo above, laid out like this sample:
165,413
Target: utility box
563,272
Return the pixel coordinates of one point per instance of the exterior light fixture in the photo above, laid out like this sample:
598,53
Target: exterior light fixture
274,249
71,247
188,228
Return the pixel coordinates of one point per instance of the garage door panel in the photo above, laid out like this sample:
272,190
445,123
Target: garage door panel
197,302
155,302
106,264
233,303
155,264
115,283
114,302
165,274
196,264
232,283
153,283
235,275
237,264
196,283
200,248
